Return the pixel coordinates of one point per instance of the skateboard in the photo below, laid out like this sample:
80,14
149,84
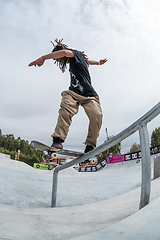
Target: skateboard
53,151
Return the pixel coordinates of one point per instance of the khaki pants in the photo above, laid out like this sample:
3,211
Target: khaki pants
69,107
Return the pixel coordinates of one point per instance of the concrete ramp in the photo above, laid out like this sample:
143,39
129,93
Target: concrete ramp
108,209
142,225
24,186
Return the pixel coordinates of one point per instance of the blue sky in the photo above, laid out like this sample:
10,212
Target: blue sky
125,32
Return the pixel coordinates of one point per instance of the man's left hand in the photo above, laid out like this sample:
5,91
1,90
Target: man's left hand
102,61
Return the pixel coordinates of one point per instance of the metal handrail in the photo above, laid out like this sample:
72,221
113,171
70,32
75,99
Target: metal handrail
141,125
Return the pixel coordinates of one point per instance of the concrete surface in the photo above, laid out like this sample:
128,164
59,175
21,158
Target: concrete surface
97,205
157,167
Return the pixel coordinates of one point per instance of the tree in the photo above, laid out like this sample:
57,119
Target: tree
0,136
155,137
135,147
9,145
10,142
115,150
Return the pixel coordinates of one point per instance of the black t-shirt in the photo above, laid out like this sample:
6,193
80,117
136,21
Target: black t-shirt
80,77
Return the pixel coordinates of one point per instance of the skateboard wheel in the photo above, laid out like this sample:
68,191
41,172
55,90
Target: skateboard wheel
92,161
54,155
44,157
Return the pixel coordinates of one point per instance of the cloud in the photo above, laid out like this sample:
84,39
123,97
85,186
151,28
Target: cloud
126,32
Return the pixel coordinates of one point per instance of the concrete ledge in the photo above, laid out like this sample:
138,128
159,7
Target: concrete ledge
157,167
143,225
2,155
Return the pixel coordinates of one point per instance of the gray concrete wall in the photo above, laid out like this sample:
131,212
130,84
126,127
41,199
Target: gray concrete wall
156,167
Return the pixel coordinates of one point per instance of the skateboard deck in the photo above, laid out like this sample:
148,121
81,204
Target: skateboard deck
42,147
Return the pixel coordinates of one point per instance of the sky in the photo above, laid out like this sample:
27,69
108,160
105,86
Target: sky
125,32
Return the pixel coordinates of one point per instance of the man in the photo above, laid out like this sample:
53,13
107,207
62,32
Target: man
18,153
80,92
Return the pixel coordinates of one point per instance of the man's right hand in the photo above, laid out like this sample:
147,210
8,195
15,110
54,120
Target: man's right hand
39,62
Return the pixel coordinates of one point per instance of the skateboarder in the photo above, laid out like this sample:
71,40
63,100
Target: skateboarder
80,92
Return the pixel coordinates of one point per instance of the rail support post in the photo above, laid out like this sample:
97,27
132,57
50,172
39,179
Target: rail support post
146,165
54,188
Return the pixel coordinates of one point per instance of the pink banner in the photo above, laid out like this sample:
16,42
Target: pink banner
118,158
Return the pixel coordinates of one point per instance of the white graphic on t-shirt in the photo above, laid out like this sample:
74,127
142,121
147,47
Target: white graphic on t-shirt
76,83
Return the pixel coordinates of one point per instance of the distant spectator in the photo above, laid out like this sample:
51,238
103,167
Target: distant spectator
48,161
18,153
110,157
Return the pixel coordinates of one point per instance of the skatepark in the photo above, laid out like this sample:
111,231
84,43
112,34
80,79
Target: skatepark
90,205
120,201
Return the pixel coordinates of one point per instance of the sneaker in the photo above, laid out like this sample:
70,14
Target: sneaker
88,148
57,143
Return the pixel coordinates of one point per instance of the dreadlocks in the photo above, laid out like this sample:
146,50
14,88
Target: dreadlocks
61,62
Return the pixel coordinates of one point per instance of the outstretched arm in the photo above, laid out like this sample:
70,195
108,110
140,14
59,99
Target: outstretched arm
93,62
53,55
